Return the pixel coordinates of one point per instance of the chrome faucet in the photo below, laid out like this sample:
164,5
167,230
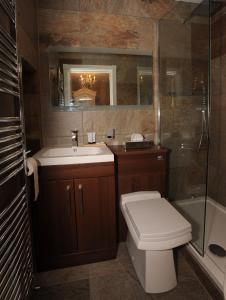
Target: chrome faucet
74,138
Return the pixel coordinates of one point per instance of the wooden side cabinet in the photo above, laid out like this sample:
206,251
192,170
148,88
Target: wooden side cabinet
139,170
75,219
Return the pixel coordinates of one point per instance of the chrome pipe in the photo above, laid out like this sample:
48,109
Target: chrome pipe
10,138
10,156
10,147
9,83
9,65
13,276
5,223
11,166
22,224
2,214
9,128
11,175
21,294
8,37
10,92
8,55
10,236
20,252
9,119
17,259
11,249
9,74
8,10
6,44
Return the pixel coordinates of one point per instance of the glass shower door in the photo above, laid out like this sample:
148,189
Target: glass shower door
184,88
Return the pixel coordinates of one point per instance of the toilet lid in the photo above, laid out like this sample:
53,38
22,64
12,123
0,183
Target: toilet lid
156,219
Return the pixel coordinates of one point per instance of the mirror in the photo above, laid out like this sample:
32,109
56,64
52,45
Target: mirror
87,80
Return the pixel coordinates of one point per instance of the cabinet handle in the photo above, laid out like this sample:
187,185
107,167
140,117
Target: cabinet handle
160,157
82,210
68,189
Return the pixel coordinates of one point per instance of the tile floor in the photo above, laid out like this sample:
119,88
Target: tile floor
114,280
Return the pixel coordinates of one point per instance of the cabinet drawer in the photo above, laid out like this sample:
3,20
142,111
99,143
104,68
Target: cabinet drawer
135,164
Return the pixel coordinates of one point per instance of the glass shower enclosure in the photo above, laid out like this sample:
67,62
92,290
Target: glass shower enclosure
184,52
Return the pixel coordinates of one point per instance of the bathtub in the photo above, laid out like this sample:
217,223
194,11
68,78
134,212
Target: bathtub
215,233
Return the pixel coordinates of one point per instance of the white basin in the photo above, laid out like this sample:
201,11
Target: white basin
73,155
58,152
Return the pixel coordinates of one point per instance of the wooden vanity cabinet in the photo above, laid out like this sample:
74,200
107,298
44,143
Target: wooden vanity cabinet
139,170
75,221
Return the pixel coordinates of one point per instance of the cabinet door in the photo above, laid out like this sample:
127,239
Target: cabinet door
95,210
55,221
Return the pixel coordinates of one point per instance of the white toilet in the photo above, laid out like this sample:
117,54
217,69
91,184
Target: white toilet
155,227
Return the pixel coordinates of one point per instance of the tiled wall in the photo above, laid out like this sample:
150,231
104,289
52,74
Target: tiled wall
217,155
96,24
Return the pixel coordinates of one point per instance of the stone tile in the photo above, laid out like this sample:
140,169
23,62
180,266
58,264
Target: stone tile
44,73
116,287
147,41
187,121
187,290
59,28
111,31
61,276
124,121
216,71
59,4
129,8
68,291
60,124
114,279
100,121
105,268
124,259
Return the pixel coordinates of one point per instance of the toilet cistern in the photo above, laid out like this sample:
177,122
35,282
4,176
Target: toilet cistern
74,138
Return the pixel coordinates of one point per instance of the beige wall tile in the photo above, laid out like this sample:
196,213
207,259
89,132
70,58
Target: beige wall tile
58,27
60,124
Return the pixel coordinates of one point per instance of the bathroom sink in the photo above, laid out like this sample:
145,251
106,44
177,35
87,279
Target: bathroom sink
73,155
72,151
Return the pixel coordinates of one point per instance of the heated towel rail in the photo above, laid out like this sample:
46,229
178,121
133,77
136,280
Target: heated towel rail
15,237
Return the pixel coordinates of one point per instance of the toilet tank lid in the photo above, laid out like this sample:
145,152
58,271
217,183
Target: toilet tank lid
137,196
156,219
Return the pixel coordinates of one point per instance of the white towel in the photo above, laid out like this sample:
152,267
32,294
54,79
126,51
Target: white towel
32,168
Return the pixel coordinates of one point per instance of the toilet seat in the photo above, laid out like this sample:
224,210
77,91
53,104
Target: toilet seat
153,222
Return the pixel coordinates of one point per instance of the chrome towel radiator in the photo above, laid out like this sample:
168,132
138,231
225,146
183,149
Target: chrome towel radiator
15,237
